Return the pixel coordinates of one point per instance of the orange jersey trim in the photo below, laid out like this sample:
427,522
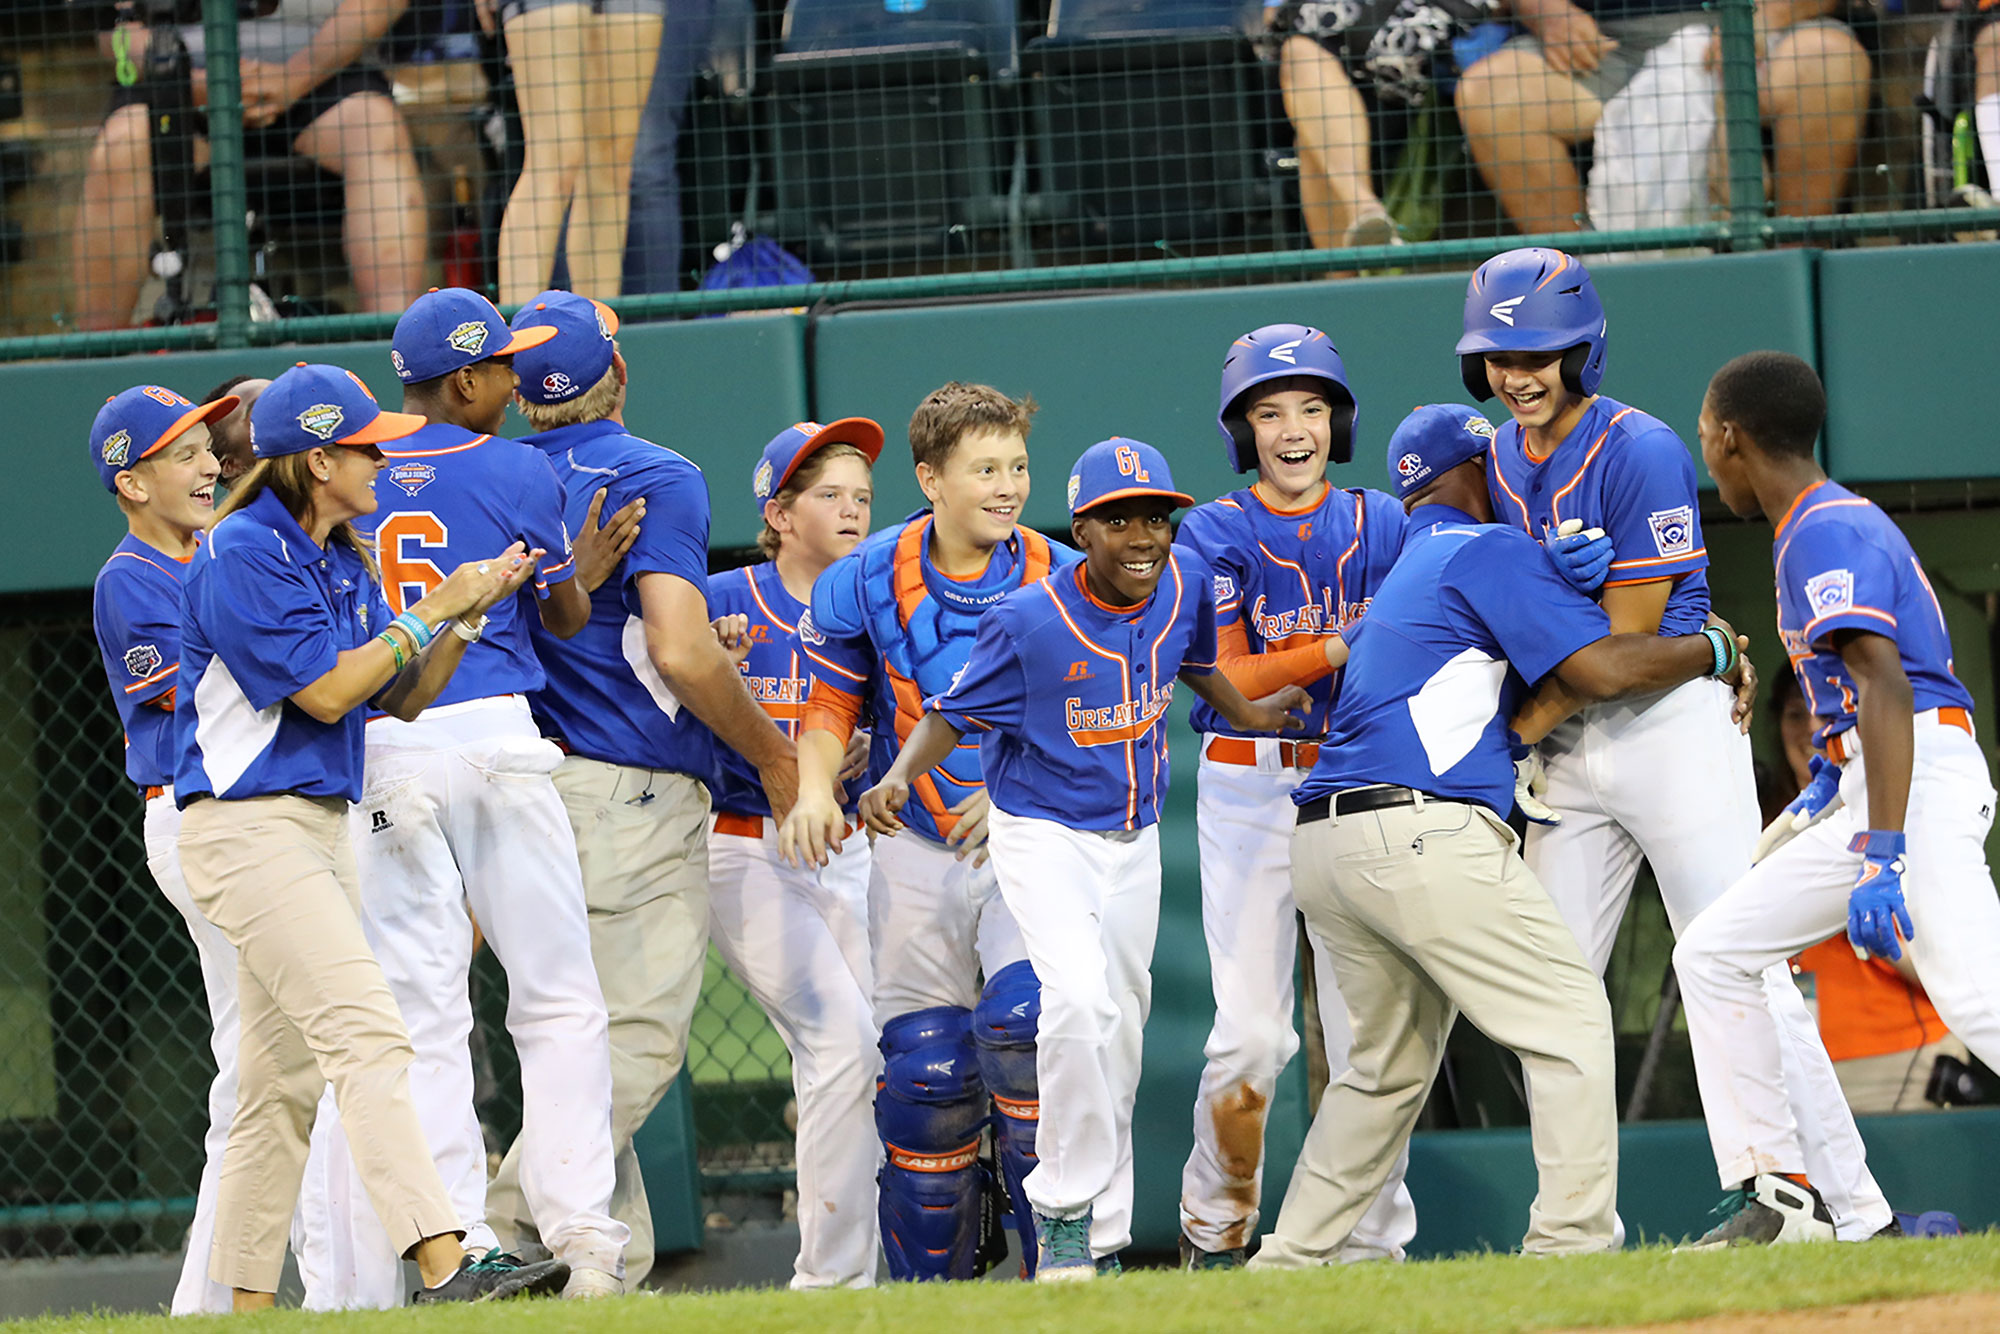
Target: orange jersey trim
434,453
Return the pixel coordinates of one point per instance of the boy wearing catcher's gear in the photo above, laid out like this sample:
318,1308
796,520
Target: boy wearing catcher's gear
1295,561
1904,814
889,627
1664,777
1068,685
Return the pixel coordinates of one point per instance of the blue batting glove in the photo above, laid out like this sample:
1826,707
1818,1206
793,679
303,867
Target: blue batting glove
1875,911
1821,788
1582,559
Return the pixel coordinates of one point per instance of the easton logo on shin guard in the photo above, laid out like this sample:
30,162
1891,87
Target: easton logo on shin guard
956,1160
1020,1109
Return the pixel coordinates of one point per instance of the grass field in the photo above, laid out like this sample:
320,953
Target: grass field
1479,1295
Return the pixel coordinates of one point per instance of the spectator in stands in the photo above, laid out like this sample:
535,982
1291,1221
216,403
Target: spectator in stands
1986,93
1528,104
653,240
1330,124
308,87
1877,1023
582,71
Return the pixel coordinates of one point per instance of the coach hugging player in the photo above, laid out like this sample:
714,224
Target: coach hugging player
910,784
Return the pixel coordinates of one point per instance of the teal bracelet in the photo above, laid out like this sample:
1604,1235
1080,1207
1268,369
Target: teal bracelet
394,648
1725,651
420,634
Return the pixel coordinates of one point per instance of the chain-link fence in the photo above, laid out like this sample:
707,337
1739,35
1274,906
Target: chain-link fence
733,153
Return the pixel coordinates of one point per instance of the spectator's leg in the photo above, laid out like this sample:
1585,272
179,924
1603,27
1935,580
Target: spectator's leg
1330,123
653,234
1521,119
1814,95
114,225
1986,99
622,49
546,48
363,140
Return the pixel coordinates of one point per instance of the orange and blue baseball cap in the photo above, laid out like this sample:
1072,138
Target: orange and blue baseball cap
575,356
309,406
1433,440
450,327
1116,468
142,421
791,446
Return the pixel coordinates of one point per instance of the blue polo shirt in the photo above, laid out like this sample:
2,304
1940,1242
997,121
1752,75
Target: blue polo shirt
268,613
1470,619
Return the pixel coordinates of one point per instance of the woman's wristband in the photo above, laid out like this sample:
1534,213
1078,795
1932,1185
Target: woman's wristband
396,649
469,631
420,633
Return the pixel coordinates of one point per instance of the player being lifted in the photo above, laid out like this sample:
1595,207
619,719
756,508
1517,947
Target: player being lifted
1664,777
889,627
1068,686
1295,561
1900,795
797,937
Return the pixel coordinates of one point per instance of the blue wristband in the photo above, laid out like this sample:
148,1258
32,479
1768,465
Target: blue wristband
419,632
1725,652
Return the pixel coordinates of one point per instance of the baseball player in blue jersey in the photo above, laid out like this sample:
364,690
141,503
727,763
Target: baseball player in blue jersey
1405,868
636,699
889,627
797,936
1068,685
458,821
151,448
1295,561
1895,819
1666,779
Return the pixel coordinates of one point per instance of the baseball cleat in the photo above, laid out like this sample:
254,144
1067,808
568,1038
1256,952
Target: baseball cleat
495,1276
1064,1248
587,1284
1194,1257
1108,1266
1767,1210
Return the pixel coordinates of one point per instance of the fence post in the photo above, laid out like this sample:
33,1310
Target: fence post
225,174
1741,122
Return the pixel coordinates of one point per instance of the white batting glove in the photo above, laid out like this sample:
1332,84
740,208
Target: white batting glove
1530,782
1820,799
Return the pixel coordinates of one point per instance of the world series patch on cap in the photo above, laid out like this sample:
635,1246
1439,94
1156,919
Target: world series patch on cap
1433,440
793,445
450,327
575,357
1116,468
309,406
143,420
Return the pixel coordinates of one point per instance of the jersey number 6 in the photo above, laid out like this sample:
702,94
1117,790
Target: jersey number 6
407,575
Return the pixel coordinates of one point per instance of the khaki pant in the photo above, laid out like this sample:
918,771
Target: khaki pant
642,843
1895,1081
1425,911
276,876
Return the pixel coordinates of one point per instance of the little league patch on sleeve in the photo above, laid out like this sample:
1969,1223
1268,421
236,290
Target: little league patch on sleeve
1673,530
1830,592
1225,588
142,660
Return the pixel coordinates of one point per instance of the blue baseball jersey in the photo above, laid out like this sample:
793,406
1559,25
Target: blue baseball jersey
269,611
1844,565
604,698
1624,472
887,630
1069,695
136,609
1285,574
449,496
1469,620
775,671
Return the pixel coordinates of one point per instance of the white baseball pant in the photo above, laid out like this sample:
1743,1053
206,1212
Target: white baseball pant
1667,778
1088,904
798,941
1243,823
458,815
1797,897
935,924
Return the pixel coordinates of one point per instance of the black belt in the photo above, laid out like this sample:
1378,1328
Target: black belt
1355,800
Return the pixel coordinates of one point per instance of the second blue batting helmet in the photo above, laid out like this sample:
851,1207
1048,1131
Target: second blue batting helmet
1533,300
1275,352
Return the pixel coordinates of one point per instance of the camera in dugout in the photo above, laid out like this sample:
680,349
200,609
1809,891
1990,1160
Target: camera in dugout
949,1075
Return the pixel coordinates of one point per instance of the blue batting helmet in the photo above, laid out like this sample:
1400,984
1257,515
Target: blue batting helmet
1533,300
1274,352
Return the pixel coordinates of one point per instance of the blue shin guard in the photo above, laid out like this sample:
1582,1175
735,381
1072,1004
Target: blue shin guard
930,1107
1004,1028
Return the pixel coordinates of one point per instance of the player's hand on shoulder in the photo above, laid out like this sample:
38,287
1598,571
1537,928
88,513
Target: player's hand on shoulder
880,803
812,829
1581,556
968,836
733,633
599,547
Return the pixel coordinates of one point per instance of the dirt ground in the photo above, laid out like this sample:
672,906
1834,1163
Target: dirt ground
1962,1311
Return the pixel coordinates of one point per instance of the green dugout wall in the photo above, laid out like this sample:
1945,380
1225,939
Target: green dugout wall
1904,337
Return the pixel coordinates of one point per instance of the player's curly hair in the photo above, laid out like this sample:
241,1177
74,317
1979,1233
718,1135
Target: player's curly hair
802,480
952,411
593,404
1774,396
290,478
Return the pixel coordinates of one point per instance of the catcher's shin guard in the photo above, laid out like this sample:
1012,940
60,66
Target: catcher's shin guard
1004,1027
930,1108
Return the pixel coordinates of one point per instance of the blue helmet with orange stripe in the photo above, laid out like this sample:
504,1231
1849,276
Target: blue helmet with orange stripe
1533,300
1279,351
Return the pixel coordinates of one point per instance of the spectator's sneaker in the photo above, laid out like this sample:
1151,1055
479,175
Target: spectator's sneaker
1108,1266
495,1276
1194,1257
1768,1210
1372,229
1064,1248
587,1284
